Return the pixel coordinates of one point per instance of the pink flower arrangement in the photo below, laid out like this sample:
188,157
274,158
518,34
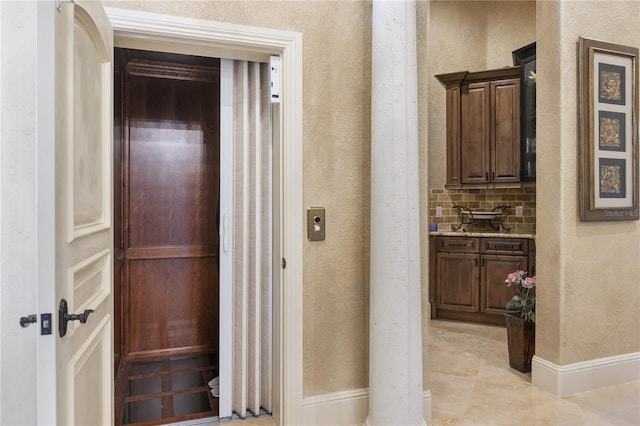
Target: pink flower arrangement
529,282
524,301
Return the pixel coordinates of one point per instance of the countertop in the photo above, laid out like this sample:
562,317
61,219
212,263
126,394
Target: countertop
481,234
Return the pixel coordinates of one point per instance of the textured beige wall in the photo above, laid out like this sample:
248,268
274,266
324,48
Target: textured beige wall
588,292
337,75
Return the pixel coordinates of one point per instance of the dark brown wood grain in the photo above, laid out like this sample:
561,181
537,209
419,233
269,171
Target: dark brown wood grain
494,293
174,157
453,136
483,128
174,304
118,228
467,276
475,133
170,193
457,282
505,110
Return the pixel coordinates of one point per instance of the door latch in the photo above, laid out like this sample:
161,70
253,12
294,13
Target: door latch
28,320
64,317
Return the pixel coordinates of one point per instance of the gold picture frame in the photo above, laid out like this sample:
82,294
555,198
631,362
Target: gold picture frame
608,130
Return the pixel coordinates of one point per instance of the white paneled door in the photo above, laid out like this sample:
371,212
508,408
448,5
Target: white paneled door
83,211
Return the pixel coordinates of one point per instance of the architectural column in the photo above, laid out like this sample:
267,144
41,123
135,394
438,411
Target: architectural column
395,336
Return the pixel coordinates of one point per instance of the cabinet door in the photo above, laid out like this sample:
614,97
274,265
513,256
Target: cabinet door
475,133
453,136
493,290
505,125
457,281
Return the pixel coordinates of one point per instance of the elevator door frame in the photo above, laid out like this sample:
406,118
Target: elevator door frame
165,33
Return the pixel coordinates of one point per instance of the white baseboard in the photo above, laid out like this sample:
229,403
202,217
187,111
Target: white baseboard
347,408
426,406
339,408
564,380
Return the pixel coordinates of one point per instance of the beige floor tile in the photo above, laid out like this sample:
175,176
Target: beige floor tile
471,383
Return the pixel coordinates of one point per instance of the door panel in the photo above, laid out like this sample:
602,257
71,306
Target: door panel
170,199
475,133
494,293
506,155
84,242
94,356
175,304
457,280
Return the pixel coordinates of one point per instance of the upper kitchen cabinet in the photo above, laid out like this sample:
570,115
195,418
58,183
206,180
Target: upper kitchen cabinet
483,128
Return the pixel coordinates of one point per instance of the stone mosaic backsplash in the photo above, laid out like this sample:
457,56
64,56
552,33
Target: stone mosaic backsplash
485,200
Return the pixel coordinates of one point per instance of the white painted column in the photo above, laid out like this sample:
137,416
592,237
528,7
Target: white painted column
395,340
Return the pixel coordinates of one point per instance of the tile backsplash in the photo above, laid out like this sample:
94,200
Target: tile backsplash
485,200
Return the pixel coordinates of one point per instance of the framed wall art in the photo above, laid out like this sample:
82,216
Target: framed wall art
608,130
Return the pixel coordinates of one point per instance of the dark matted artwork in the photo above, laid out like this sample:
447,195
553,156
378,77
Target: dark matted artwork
612,134
611,84
612,178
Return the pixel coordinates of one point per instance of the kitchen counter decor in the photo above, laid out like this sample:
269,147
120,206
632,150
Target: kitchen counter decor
472,218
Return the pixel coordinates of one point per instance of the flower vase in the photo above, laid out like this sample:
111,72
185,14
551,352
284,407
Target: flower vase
521,340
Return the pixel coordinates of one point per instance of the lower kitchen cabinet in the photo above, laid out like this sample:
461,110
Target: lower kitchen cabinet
468,273
454,289
494,293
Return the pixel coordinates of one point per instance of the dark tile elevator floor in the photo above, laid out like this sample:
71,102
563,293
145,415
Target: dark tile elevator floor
165,390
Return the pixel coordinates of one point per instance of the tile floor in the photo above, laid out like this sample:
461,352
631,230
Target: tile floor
161,390
471,384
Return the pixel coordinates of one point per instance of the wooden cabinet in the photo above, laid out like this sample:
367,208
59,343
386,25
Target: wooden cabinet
494,293
468,273
458,263
483,128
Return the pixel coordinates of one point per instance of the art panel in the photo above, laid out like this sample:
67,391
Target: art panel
608,131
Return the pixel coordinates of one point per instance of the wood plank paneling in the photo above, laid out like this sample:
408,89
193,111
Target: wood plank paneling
169,252
170,199
174,157
176,304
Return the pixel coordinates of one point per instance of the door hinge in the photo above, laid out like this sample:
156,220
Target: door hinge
59,4
284,263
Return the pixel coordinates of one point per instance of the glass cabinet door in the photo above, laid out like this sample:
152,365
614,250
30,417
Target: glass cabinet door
526,58
528,123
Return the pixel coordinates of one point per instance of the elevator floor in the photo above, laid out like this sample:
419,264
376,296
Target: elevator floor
165,390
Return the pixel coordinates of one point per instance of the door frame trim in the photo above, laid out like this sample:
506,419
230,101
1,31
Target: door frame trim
167,33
